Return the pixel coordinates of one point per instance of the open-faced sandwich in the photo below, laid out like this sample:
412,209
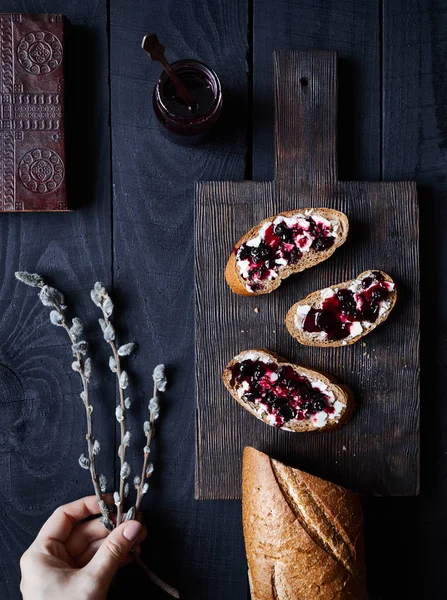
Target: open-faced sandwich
343,313
283,245
286,395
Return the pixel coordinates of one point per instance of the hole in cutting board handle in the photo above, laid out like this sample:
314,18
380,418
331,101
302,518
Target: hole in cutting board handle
304,81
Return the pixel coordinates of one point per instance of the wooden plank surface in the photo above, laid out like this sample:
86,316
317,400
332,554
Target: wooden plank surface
42,429
351,28
197,546
382,450
414,146
413,107
356,30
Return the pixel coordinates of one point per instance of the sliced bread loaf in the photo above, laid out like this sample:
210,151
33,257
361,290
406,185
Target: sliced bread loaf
303,535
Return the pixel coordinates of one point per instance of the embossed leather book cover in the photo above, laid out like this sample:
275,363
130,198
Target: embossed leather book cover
32,148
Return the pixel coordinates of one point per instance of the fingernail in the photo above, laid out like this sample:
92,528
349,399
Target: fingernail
132,530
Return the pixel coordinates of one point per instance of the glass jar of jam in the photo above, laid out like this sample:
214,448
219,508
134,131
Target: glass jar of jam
181,123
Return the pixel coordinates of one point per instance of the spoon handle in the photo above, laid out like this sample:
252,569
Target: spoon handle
156,52
179,85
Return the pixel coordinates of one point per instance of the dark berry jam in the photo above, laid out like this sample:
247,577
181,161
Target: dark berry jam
279,390
282,245
181,123
340,311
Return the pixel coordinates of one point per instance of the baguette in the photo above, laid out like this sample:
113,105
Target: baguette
282,245
286,395
303,535
343,313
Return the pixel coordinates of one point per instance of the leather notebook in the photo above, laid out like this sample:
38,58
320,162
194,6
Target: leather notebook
32,147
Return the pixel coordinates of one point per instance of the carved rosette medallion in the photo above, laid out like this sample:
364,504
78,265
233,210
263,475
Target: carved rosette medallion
41,170
39,52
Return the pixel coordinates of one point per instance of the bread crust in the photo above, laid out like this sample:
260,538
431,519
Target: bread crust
238,284
315,298
341,392
303,535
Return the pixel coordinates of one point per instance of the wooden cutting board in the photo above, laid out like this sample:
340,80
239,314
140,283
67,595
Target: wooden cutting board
377,453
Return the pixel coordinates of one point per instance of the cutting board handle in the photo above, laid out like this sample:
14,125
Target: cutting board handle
305,118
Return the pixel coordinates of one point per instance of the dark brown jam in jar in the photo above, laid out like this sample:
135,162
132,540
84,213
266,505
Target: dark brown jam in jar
183,124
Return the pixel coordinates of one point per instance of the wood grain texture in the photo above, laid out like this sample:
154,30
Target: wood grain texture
305,120
353,29
196,546
204,539
42,429
382,449
415,146
374,73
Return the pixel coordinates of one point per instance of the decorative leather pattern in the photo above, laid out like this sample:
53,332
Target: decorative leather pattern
41,170
39,53
32,148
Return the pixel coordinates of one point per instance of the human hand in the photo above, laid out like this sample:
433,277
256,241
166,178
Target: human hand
73,560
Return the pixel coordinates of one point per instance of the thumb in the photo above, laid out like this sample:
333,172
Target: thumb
114,551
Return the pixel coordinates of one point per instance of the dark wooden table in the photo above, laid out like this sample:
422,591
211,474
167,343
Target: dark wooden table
134,231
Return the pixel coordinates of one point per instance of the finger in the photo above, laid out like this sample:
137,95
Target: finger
136,550
92,549
114,551
60,524
88,554
83,535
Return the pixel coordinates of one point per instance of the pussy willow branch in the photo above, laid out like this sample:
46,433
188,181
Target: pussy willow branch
155,578
89,436
54,299
123,446
149,428
102,299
